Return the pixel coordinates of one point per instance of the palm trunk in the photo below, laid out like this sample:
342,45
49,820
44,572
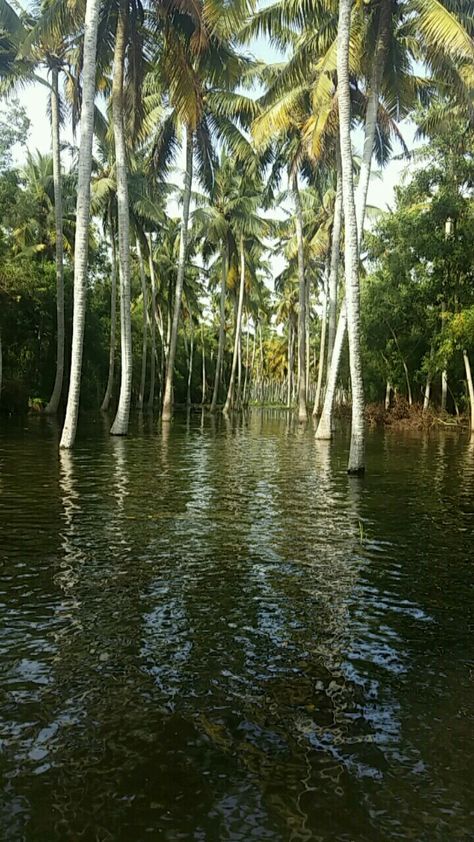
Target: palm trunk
220,350
239,373
325,425
373,93
351,250
247,362
470,387
141,393
366,165
191,356
154,319
322,350
238,321
302,410
168,396
203,361
53,404
335,251
113,318
291,349
120,425
82,219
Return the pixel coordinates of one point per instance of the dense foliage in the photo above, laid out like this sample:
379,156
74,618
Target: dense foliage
235,280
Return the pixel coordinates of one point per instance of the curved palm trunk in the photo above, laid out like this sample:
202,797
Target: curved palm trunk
113,318
238,322
334,270
154,319
188,180
141,393
53,404
370,126
302,410
351,248
82,220
120,425
324,430
220,349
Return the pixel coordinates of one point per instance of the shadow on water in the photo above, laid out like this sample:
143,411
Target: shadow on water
209,631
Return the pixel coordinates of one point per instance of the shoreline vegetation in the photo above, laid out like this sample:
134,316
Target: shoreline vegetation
210,239
399,416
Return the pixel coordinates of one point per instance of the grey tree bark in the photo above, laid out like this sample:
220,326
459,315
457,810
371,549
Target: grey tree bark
52,406
384,26
302,409
220,349
203,363
82,219
322,349
183,243
141,392
191,357
373,95
335,252
470,387
113,319
154,321
120,425
238,323
351,247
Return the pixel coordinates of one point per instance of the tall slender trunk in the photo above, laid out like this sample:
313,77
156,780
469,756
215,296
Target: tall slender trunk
113,318
154,319
388,392
238,322
220,349
351,249
53,404
188,180
291,362
322,349
82,219
470,387
239,372
203,362
191,356
444,373
373,94
324,430
370,126
335,252
252,363
141,393
302,410
247,362
120,425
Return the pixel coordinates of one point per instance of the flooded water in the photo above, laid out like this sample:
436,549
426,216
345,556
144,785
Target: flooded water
215,634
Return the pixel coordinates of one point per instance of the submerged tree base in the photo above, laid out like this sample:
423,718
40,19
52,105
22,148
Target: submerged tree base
356,472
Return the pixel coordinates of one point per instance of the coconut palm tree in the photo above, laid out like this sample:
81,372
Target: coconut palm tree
351,249
91,21
199,69
26,53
